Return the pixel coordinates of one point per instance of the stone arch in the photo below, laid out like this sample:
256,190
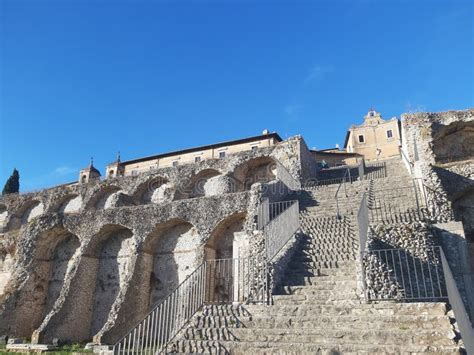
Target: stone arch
70,204
103,198
54,253
28,211
220,244
227,243
100,276
203,183
260,169
154,190
170,254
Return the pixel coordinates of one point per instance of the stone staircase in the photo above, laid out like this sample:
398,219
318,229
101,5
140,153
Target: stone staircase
316,308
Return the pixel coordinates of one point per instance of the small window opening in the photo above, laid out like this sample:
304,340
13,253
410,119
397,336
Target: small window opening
84,178
389,133
221,155
175,163
197,159
361,139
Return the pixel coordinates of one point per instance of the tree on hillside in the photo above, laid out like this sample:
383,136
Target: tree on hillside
13,183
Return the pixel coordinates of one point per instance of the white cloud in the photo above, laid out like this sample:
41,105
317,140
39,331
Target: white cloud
318,72
293,110
63,170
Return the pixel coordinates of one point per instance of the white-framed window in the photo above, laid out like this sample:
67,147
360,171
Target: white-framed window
175,163
197,159
221,155
361,138
389,134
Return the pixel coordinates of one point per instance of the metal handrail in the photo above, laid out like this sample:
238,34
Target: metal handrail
343,181
267,211
280,230
162,324
155,331
407,160
457,305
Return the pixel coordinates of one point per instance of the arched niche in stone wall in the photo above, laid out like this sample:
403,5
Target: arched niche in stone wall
6,269
154,190
204,183
104,198
3,216
453,142
70,204
99,278
225,252
261,169
169,254
224,237
54,252
26,213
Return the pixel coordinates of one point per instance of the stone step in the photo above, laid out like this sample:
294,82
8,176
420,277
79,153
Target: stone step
323,321
382,308
325,268
406,336
321,297
294,348
308,258
317,287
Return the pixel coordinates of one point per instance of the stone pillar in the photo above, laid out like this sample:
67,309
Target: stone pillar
240,253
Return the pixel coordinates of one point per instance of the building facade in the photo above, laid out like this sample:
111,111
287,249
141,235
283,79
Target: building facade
375,138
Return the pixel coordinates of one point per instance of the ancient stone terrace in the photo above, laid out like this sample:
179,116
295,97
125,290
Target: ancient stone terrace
91,258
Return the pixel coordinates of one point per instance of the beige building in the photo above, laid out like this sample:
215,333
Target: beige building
376,138
191,155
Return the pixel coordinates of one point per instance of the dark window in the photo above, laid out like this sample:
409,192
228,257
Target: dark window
197,159
221,154
111,173
361,139
254,147
389,133
84,178
175,163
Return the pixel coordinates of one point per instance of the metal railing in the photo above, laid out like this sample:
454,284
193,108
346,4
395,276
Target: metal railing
407,161
343,182
402,204
375,170
408,277
280,229
457,305
284,176
153,333
217,281
267,211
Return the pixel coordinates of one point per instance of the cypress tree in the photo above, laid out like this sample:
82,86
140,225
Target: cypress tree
13,183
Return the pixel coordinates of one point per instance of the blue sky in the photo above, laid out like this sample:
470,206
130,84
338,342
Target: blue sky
90,78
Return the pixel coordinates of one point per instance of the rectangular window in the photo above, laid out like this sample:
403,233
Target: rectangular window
254,147
389,134
361,139
221,155
175,163
134,172
197,159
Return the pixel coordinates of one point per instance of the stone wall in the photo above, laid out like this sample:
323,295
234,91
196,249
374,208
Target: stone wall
433,139
89,260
